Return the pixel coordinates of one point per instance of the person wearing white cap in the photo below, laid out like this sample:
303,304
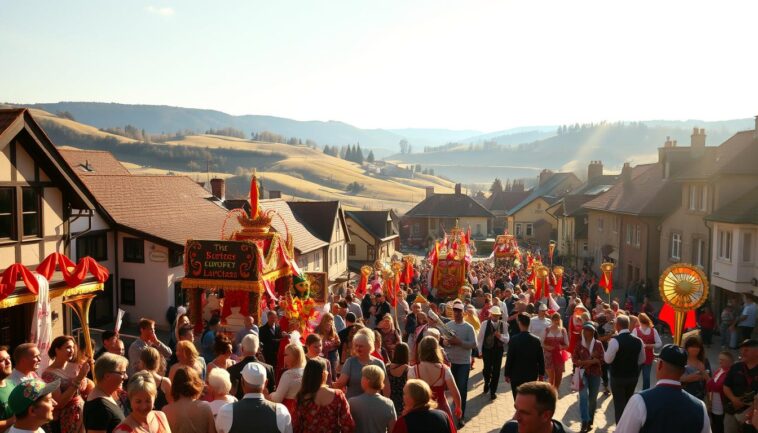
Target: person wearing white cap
254,412
540,322
491,341
458,349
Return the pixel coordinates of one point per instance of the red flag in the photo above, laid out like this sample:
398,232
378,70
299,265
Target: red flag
360,291
667,315
407,274
537,288
606,282
558,285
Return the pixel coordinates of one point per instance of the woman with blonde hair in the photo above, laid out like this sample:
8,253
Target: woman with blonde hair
291,380
187,413
187,356
650,341
350,376
436,374
150,360
330,341
219,385
143,419
420,413
554,346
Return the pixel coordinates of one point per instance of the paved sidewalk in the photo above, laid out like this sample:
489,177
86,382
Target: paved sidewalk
486,416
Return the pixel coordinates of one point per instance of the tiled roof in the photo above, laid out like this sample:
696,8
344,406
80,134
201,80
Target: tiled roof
737,155
374,222
171,208
305,241
449,206
596,185
553,186
504,200
93,162
646,193
317,216
744,210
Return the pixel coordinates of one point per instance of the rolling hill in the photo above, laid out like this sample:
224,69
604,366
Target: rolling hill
298,171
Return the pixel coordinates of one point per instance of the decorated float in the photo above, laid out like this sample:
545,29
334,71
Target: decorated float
506,251
249,267
450,258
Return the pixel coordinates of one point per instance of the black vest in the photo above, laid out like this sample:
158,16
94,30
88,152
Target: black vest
671,410
254,414
625,363
490,342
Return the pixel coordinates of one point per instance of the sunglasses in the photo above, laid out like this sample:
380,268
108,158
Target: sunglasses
120,373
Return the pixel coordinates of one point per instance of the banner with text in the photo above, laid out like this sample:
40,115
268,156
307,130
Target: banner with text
220,260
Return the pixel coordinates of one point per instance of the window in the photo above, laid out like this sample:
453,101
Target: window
30,202
616,224
128,296
134,250
94,245
629,234
370,253
704,199
747,247
676,246
479,229
416,229
530,229
698,252
637,235
6,214
317,262
600,224
693,197
519,229
725,245
350,249
175,258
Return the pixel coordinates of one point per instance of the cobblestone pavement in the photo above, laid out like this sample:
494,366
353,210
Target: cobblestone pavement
485,416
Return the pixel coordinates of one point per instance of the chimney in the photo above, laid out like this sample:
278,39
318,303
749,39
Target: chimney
595,169
274,194
218,188
626,173
545,175
429,191
458,189
697,139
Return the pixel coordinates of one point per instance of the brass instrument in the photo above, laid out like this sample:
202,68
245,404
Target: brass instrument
439,324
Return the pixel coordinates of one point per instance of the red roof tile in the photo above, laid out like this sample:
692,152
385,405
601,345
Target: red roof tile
93,162
646,193
305,241
172,208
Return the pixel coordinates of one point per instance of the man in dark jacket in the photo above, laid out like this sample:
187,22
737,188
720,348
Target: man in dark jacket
250,346
535,406
525,361
270,335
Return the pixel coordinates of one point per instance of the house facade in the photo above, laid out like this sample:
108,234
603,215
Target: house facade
326,221
139,231
437,213
373,236
39,197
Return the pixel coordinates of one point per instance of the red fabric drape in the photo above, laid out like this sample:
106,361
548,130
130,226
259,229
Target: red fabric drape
72,274
667,315
360,291
558,285
10,276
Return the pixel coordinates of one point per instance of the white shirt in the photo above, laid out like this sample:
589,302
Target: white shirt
226,413
538,326
613,348
635,413
16,377
13,429
750,311
288,385
501,326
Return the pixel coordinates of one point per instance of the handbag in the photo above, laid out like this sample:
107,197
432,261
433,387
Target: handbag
577,380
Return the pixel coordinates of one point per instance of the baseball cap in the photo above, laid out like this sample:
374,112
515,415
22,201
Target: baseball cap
750,342
457,305
496,311
254,374
543,307
29,391
674,355
589,326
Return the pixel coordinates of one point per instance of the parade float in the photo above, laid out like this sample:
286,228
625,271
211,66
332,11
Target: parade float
450,259
246,269
506,251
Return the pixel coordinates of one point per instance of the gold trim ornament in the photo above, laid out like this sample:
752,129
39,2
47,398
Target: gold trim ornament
684,287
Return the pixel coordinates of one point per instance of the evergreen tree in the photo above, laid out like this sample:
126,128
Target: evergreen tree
370,157
497,186
359,155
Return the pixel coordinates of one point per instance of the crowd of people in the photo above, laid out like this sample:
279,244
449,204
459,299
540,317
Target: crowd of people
370,367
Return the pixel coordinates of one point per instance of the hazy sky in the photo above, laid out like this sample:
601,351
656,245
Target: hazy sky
487,65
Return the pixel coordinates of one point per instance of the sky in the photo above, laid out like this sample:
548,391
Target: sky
485,65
